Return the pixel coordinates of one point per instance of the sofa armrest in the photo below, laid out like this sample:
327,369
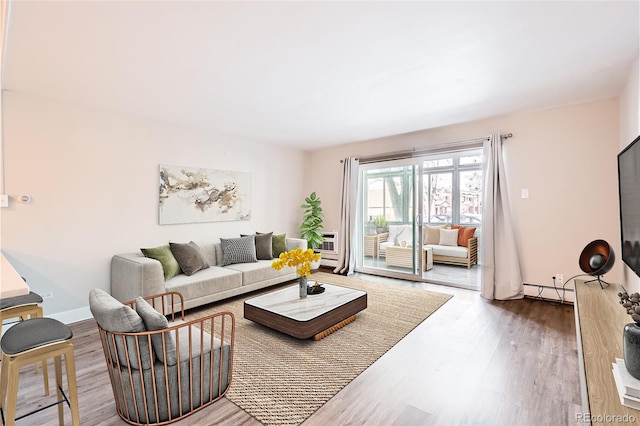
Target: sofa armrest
472,253
294,243
134,275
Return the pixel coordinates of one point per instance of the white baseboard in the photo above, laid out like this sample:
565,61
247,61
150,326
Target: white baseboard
72,316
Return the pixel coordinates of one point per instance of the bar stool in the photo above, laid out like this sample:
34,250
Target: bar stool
29,342
25,307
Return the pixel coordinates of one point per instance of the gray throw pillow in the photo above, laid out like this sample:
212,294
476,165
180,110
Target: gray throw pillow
264,249
114,316
278,243
238,250
154,320
189,257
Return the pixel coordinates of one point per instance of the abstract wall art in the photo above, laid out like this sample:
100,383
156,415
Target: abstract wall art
190,195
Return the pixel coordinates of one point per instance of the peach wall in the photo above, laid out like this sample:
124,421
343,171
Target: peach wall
566,157
93,177
629,130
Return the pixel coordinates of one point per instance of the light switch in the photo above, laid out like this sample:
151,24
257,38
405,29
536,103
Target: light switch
524,193
4,200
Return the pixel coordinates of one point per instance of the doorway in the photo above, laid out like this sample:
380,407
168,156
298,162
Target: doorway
446,186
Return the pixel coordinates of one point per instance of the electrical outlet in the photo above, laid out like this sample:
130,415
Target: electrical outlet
47,295
559,280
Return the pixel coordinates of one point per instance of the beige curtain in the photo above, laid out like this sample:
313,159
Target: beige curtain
501,274
346,253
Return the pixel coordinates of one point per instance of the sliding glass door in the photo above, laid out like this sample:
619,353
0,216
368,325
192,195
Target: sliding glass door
399,198
391,235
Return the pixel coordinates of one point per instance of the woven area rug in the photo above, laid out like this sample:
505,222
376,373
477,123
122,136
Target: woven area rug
281,380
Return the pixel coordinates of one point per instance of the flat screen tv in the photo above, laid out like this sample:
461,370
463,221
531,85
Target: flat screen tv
629,188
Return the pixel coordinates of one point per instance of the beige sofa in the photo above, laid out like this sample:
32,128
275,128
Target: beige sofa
443,254
133,275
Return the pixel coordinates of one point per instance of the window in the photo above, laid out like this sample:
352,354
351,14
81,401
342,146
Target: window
453,188
388,194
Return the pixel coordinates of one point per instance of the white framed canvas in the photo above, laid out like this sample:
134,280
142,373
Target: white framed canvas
190,195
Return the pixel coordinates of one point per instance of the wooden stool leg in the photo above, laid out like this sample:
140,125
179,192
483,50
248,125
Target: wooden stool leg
45,376
12,391
4,379
73,386
58,364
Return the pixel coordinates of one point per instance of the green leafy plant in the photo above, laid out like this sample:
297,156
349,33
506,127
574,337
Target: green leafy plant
381,223
312,222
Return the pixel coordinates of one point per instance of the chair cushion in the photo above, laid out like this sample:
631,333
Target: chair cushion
112,315
25,299
33,333
154,320
452,251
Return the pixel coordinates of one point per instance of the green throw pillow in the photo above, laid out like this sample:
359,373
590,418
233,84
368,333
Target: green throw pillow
163,255
278,243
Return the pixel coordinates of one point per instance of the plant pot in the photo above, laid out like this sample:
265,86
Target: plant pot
631,348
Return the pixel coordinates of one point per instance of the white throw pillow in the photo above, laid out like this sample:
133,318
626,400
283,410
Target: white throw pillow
448,237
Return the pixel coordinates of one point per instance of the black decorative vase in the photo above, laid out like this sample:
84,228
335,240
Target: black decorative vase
631,348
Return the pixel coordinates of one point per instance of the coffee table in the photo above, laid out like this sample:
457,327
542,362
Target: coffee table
402,257
315,317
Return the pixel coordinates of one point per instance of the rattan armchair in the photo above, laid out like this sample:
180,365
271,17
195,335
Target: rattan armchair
161,374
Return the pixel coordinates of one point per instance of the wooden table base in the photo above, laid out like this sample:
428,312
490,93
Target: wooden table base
334,328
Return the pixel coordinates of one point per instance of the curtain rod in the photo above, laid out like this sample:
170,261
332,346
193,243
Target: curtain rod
407,153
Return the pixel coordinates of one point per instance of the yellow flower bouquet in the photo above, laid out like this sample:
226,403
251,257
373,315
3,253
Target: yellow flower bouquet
301,259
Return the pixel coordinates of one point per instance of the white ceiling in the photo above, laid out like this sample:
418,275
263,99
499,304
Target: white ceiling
314,74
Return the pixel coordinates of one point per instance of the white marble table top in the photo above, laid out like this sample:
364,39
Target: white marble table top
287,302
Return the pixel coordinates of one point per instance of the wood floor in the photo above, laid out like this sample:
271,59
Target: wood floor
473,362
455,276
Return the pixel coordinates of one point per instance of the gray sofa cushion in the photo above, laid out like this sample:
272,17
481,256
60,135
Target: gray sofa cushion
208,281
114,316
189,256
261,271
154,320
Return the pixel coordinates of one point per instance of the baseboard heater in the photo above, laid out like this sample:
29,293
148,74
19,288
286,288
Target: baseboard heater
542,287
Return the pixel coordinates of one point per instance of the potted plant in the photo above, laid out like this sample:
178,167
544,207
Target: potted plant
381,224
312,221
